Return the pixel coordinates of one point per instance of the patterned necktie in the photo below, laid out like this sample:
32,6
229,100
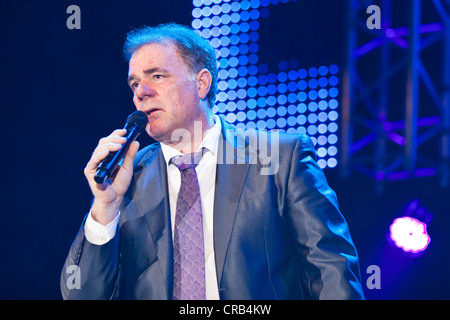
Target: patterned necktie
188,246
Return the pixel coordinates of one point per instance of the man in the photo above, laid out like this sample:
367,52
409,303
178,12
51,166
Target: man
265,228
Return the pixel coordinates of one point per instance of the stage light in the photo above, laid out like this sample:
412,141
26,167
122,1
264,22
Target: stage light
271,89
312,107
322,117
251,115
261,125
251,104
313,72
282,76
196,13
282,88
322,163
301,120
262,102
292,87
292,75
231,106
333,103
292,121
332,151
312,130
332,138
301,108
312,118
333,115
313,83
321,152
241,116
322,128
409,234
271,124
281,123
231,117
292,109
302,96
241,105
282,99
261,114
271,112
323,70
322,140
331,162
302,73
271,101
334,69
232,73
333,81
323,93
302,85
323,105
241,94
281,111
323,82
333,92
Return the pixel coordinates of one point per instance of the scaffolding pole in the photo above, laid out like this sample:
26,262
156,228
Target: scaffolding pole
445,143
371,142
412,90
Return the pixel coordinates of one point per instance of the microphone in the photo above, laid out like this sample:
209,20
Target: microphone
135,125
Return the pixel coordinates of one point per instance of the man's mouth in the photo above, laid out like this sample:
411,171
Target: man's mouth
151,111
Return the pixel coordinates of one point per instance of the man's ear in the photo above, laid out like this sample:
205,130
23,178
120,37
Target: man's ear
204,80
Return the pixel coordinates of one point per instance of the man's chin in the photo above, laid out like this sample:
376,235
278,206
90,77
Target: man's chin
157,133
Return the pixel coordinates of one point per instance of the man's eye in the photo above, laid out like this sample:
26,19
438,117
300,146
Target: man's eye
158,76
134,85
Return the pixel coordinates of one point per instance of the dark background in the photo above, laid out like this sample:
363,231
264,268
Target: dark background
61,90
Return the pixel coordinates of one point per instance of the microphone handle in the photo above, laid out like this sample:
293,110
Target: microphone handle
109,164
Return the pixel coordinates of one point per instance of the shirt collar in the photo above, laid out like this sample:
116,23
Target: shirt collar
210,142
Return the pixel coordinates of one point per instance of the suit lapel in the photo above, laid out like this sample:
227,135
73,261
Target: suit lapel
154,204
233,161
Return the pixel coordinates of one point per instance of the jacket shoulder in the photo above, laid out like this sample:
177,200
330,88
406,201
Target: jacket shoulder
287,141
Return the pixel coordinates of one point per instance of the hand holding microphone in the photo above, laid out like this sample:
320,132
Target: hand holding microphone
107,179
136,123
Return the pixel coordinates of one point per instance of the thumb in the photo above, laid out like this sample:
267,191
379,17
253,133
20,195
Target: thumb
131,154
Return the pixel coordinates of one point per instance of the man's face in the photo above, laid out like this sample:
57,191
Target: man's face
164,88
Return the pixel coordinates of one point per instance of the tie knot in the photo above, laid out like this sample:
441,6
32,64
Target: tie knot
190,160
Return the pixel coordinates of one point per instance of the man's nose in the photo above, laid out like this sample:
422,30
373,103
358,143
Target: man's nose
145,90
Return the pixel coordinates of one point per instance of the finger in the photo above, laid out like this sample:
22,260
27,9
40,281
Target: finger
108,146
96,160
112,138
119,132
101,152
131,154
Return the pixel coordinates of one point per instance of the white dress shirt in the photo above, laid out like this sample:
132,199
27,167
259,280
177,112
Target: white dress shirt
206,173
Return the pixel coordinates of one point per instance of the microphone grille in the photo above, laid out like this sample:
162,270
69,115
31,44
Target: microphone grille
138,118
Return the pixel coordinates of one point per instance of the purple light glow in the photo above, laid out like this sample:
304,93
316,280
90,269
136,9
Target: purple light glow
409,234
395,35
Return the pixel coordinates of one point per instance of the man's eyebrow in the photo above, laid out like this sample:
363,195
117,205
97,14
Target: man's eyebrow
154,70
147,71
130,79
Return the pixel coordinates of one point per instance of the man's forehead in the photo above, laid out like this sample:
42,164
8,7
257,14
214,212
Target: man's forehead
152,54
166,58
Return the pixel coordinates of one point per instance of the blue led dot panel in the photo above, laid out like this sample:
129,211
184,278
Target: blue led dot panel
291,99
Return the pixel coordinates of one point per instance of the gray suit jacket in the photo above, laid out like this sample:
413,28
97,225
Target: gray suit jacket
278,232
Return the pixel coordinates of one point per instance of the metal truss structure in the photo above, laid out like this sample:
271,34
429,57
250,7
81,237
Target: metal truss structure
396,92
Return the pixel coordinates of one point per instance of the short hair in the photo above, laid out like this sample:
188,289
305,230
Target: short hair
197,53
